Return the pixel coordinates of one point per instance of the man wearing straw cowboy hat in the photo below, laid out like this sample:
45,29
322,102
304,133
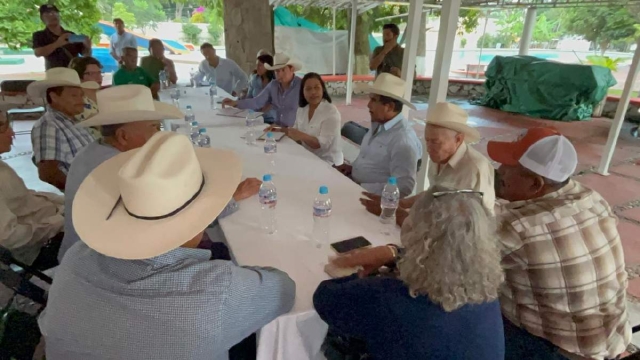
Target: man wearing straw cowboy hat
55,138
128,119
282,94
454,164
137,287
391,147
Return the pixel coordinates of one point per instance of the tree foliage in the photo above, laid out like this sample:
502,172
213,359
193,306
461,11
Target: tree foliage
511,24
191,33
19,19
142,14
602,25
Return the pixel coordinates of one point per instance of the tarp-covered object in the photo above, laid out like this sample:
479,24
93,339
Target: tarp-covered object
545,89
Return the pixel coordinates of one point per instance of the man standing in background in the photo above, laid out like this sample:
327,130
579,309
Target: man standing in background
120,40
388,58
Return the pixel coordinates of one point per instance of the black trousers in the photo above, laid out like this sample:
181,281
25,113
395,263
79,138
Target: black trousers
48,256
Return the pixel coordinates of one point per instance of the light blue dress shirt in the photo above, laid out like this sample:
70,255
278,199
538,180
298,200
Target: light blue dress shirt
228,75
255,88
389,149
119,42
88,159
284,102
179,305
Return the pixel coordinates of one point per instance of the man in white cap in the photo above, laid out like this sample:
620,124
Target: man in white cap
454,163
391,147
225,73
128,119
565,286
283,95
54,137
137,286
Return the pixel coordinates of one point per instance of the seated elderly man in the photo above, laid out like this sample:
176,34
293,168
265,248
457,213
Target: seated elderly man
126,126
30,221
390,147
137,286
131,73
454,163
54,137
565,289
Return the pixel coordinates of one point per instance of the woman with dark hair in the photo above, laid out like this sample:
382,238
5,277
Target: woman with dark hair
88,69
317,124
260,78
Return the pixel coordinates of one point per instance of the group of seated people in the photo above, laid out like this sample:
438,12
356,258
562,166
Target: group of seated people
538,273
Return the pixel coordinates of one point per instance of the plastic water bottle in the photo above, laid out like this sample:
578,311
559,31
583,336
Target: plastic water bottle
250,134
268,200
321,215
204,141
193,81
213,95
389,202
194,132
189,116
162,76
270,149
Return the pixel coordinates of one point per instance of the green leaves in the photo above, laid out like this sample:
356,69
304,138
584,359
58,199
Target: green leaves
191,33
602,25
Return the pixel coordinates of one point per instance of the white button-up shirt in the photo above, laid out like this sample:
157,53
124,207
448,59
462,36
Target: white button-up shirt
119,42
325,126
228,75
466,170
389,149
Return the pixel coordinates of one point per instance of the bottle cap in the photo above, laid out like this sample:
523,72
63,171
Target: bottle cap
392,181
188,107
266,177
202,131
194,123
323,190
269,134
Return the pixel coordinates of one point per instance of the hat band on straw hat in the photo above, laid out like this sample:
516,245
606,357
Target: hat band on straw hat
160,217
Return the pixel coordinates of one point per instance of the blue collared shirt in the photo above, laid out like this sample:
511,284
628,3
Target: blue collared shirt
88,159
390,149
284,102
179,305
55,137
255,88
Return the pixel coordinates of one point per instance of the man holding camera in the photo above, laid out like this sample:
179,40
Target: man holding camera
57,45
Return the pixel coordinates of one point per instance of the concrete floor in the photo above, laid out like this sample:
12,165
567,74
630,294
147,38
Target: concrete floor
621,188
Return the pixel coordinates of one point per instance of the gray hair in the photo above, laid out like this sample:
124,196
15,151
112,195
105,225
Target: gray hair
451,250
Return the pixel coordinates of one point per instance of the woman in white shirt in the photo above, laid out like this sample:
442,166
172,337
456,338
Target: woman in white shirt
317,124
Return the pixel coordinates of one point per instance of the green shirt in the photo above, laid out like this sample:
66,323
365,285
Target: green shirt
391,60
152,65
137,76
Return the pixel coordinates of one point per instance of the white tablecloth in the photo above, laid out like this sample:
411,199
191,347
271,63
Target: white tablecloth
298,334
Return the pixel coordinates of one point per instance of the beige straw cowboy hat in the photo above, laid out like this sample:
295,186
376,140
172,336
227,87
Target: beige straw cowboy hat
390,86
58,77
281,60
452,117
148,201
129,103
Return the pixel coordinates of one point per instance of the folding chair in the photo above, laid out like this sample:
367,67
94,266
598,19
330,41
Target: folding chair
19,87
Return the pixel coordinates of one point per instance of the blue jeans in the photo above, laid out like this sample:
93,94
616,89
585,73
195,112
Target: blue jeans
519,344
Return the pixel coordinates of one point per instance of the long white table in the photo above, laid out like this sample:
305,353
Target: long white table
298,334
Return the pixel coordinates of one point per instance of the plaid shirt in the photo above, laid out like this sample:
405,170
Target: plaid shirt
565,271
55,137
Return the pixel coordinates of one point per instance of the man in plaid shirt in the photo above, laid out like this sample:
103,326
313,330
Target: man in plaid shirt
55,138
564,295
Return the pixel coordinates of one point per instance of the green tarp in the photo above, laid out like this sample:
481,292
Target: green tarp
545,89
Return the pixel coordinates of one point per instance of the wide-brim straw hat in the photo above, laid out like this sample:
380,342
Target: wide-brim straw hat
129,103
281,60
453,117
146,202
59,77
390,86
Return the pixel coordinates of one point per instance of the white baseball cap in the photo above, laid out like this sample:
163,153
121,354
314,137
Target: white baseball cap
542,150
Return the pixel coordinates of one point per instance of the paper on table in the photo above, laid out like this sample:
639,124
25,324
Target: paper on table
235,112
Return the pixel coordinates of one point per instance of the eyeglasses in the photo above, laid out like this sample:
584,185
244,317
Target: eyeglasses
439,194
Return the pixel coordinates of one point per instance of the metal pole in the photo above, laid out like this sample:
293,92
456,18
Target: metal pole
484,32
334,40
352,49
621,111
527,32
411,48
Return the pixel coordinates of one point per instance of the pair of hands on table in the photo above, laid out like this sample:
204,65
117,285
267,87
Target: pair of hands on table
247,189
228,102
293,134
368,259
371,202
345,169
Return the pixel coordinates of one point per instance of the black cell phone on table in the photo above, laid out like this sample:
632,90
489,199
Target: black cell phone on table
344,246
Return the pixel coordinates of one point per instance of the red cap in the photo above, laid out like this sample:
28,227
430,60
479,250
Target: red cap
509,153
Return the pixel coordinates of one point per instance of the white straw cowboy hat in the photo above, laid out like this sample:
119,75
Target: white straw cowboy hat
452,117
281,60
148,201
390,86
58,77
129,103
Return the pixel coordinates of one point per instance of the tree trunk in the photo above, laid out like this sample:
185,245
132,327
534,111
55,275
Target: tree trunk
179,7
604,46
362,49
248,27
